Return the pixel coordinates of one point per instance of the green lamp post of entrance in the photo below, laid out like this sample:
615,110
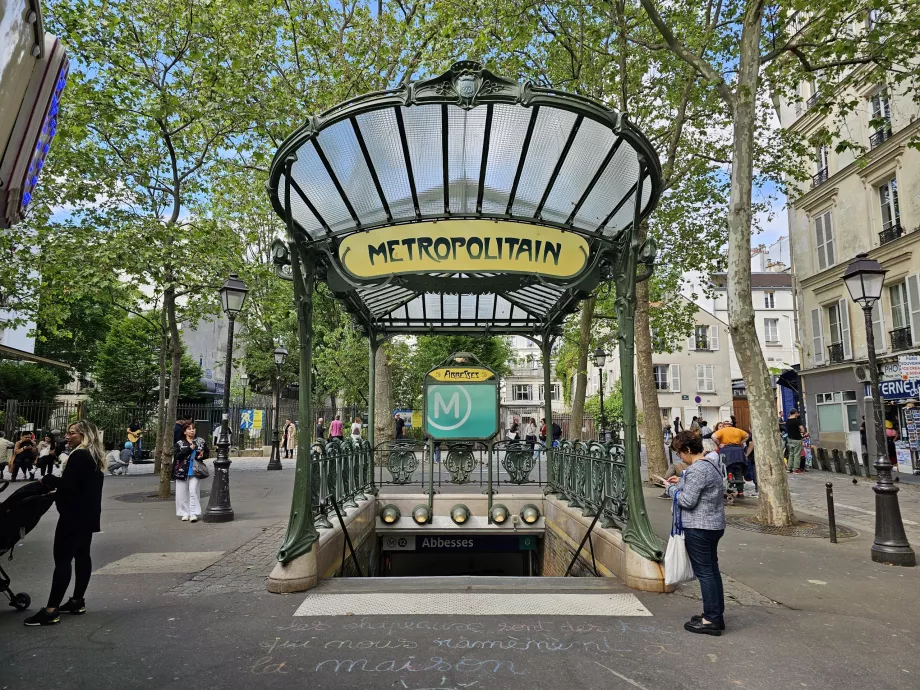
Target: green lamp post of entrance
864,279
232,298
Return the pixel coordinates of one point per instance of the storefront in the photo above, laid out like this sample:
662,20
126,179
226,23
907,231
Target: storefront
903,411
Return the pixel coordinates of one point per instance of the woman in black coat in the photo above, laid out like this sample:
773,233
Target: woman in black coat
78,494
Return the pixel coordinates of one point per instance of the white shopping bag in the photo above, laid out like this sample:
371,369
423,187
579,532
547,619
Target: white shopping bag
677,568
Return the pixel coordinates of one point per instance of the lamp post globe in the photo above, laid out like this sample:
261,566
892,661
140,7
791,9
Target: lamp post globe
274,462
244,381
600,359
232,299
865,279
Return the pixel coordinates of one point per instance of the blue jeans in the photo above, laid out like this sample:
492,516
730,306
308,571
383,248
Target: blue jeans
702,547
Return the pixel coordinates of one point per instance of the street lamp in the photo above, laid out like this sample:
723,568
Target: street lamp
232,297
244,381
864,279
600,359
274,463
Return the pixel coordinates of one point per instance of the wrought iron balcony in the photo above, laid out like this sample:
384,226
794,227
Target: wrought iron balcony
659,386
810,103
891,233
835,353
819,177
881,135
702,344
901,339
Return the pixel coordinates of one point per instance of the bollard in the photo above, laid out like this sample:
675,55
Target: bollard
832,523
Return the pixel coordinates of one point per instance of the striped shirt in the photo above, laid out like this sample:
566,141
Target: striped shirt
701,496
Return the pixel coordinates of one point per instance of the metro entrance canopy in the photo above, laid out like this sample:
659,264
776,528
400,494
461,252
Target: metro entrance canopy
465,203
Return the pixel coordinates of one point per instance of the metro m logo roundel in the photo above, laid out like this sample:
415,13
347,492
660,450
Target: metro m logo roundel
456,411
447,416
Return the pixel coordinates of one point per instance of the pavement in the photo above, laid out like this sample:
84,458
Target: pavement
174,604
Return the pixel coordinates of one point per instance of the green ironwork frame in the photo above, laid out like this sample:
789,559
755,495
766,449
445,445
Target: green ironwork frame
620,258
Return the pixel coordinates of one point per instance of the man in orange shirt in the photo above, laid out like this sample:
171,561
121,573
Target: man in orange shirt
731,442
730,435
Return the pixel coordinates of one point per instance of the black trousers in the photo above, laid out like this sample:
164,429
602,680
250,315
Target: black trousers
71,544
46,465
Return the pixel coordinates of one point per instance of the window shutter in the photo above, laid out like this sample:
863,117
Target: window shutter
819,242
817,334
829,239
691,341
675,378
713,337
710,378
878,326
700,376
844,310
913,301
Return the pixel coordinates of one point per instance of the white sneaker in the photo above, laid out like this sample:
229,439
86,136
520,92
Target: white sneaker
194,518
185,518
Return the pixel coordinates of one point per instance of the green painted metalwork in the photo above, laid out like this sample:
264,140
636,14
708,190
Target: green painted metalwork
518,461
401,461
459,462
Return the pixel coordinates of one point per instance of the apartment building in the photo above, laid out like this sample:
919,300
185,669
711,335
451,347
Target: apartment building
522,392
856,201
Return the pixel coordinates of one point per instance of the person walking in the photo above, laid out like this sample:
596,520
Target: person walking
320,430
189,450
289,438
695,423
795,435
400,426
698,493
46,454
356,429
678,427
78,495
731,442
530,435
336,431
557,434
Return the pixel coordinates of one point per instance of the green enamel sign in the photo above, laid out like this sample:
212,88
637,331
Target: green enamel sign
460,411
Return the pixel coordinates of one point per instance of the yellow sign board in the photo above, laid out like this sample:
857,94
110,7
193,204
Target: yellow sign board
464,246
461,374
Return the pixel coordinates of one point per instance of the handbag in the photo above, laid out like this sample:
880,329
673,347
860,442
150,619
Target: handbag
200,470
677,567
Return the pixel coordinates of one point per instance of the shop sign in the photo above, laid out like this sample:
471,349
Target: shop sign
897,389
892,370
462,374
460,542
909,366
467,246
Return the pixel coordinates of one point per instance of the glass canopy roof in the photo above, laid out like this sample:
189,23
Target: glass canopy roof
530,172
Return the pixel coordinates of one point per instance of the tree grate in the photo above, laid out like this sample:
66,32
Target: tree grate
812,528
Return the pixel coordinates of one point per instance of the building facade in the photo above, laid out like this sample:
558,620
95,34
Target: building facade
856,201
522,392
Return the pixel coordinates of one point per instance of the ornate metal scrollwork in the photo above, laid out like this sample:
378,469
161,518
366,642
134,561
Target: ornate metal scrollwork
319,464
518,461
402,461
281,258
460,463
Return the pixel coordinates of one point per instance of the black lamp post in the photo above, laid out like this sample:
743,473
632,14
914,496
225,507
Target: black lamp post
864,279
274,462
600,359
232,298
244,381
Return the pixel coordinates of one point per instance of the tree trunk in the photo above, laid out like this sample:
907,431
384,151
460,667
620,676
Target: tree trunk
775,502
581,373
162,421
172,406
384,427
645,373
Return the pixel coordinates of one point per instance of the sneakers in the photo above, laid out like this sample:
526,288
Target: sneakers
193,518
43,618
77,607
184,518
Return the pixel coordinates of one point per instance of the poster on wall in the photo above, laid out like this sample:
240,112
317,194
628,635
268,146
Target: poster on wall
912,417
903,454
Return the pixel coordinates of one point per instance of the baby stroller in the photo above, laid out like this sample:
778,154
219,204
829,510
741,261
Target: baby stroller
19,514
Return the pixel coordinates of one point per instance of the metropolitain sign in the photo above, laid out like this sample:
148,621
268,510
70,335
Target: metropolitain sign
464,246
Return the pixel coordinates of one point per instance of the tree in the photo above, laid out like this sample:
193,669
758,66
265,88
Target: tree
127,367
23,381
737,49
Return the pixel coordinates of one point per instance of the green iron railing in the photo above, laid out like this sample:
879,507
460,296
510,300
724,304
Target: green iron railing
591,476
343,474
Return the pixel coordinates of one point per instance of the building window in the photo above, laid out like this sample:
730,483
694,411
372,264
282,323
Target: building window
705,338
881,118
557,394
821,166
824,241
837,412
888,200
705,378
662,377
839,320
898,296
769,300
771,330
521,391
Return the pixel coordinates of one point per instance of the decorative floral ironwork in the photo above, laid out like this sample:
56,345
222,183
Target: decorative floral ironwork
460,463
518,461
402,461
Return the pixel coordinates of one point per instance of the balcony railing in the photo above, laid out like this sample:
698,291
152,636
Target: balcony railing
901,339
659,386
819,177
881,135
890,234
702,344
812,100
835,353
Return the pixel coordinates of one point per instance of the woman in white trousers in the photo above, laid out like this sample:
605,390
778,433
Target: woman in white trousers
189,449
